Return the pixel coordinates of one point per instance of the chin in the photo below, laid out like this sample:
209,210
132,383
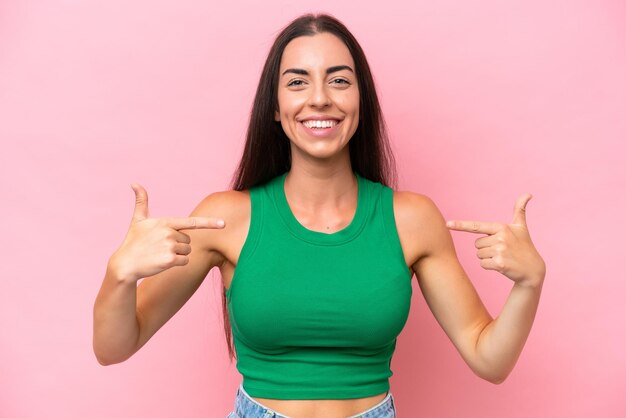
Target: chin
324,152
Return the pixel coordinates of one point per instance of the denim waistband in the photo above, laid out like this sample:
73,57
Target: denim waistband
246,407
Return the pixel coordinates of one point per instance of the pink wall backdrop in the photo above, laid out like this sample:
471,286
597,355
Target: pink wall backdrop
485,100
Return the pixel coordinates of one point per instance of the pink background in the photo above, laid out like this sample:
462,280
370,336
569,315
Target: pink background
485,100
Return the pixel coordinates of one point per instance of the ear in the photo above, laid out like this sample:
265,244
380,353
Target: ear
277,116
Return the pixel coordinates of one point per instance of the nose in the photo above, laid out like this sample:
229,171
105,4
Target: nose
319,96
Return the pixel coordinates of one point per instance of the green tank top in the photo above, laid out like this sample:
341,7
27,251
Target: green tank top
316,315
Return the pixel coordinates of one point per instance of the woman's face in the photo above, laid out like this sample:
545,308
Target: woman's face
318,95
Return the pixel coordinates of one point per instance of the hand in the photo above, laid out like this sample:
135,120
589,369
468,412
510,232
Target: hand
507,248
153,245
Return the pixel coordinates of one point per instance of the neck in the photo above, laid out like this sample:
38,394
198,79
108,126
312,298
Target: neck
316,186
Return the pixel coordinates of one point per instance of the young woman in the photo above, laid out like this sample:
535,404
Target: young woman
316,250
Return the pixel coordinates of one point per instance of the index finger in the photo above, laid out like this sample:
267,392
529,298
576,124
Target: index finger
194,222
476,227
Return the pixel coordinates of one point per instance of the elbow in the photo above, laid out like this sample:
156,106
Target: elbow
496,380
106,359
108,352
492,370
493,377
103,361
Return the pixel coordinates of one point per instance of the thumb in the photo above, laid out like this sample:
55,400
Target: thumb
141,203
519,213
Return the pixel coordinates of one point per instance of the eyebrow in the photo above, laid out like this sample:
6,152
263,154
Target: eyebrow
329,70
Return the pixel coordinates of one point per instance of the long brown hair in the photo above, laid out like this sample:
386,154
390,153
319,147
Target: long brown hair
266,152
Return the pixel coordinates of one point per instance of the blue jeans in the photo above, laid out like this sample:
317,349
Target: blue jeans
246,407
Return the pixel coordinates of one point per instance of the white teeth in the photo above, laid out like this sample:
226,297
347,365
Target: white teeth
319,123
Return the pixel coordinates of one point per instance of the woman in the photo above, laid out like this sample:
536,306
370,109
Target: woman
323,248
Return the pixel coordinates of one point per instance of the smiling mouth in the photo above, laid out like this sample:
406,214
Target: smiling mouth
320,124
321,129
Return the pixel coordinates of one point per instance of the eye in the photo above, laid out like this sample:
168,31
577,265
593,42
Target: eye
341,81
295,83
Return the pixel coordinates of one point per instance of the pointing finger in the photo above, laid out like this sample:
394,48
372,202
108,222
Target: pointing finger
489,228
519,213
195,222
141,203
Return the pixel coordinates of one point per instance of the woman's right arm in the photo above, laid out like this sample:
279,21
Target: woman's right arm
173,265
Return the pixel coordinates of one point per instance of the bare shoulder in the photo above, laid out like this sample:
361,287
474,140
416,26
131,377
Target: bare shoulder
234,208
420,224
411,204
228,202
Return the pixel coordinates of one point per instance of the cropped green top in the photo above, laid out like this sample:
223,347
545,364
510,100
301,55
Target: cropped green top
316,315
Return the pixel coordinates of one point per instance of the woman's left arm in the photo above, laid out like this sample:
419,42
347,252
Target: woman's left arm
489,346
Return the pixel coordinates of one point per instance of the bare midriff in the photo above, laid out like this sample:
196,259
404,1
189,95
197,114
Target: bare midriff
324,408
